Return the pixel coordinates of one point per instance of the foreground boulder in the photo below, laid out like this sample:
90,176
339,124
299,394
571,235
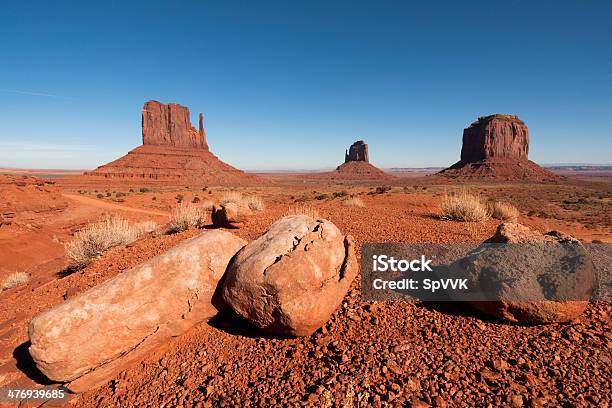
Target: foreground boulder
536,278
230,215
291,279
89,338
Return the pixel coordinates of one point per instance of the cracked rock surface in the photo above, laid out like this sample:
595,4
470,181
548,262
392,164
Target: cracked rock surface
291,279
122,319
537,278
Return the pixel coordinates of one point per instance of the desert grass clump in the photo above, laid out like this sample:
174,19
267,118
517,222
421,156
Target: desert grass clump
185,216
145,227
255,203
463,206
93,240
382,189
13,280
503,211
207,205
353,202
303,209
231,197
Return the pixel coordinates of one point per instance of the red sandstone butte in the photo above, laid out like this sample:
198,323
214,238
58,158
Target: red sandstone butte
357,152
356,165
173,153
497,147
169,125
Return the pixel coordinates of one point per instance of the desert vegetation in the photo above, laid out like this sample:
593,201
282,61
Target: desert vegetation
464,206
145,227
185,216
253,202
303,209
13,280
502,211
382,189
353,202
93,240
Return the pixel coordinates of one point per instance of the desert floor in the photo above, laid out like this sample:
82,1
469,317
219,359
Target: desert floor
395,353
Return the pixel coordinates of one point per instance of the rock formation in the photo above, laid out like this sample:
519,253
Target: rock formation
535,278
497,146
23,194
91,337
357,152
495,136
357,165
291,279
173,153
230,215
169,125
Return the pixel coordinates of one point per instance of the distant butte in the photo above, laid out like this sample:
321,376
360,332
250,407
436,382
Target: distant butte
173,152
169,125
357,165
497,147
357,152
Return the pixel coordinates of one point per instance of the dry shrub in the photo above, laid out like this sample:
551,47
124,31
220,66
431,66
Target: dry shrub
93,240
353,202
207,205
503,211
255,203
145,227
342,193
185,216
382,189
464,206
15,279
231,197
303,209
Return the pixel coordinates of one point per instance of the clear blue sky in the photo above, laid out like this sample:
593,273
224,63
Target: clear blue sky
286,85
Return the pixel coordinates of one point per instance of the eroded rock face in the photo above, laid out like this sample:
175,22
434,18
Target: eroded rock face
170,125
230,215
90,337
357,152
495,136
291,279
532,269
496,147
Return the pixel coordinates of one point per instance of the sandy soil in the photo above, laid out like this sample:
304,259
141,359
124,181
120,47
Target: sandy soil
373,353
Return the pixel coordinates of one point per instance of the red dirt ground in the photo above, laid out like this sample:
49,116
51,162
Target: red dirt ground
379,353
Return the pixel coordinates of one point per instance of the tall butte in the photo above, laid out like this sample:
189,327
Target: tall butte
173,152
497,147
357,165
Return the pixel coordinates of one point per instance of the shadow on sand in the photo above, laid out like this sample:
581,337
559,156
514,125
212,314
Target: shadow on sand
27,366
231,323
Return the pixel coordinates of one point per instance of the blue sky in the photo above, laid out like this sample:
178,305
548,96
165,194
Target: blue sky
290,85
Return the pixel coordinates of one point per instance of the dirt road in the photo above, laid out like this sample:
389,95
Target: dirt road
111,206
